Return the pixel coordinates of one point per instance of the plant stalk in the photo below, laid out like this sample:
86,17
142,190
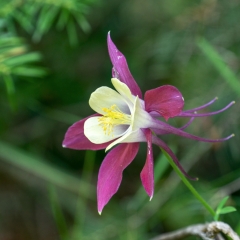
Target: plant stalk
189,185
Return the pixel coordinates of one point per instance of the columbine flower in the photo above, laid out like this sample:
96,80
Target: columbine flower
124,118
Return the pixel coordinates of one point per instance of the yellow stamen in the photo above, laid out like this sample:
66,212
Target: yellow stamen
113,116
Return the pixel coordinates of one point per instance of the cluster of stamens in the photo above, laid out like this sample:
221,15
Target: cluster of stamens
113,116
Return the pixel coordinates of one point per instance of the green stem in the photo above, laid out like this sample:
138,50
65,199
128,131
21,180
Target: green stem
188,184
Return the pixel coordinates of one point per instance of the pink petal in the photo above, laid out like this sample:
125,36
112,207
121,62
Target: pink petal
75,138
166,100
147,175
110,172
120,68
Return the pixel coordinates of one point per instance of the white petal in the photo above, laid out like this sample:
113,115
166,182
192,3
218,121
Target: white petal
136,136
123,89
119,140
129,137
94,132
105,97
140,118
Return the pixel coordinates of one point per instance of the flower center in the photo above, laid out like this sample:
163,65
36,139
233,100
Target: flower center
113,116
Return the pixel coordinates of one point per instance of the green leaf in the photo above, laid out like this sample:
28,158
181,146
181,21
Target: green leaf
72,34
23,20
222,203
45,21
220,210
63,19
23,59
29,71
227,210
10,41
83,23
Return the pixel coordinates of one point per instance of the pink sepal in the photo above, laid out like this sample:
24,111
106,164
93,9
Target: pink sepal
166,100
75,138
110,172
120,68
147,174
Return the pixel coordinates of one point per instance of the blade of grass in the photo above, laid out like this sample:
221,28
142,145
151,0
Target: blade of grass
219,64
81,210
38,167
58,213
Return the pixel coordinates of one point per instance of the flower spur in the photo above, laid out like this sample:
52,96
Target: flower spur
124,119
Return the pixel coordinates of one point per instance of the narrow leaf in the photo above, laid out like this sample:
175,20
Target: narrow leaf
29,71
58,213
23,20
23,59
227,210
63,19
72,34
83,23
219,64
222,203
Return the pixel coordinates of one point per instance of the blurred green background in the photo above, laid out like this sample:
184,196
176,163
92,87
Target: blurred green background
53,55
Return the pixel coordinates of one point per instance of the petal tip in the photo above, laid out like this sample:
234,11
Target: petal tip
99,213
150,198
114,79
166,118
109,40
64,146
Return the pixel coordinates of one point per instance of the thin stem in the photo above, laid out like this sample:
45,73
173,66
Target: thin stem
188,184
201,107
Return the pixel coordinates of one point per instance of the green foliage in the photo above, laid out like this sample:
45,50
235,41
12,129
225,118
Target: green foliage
188,184
58,214
223,210
220,64
15,60
38,17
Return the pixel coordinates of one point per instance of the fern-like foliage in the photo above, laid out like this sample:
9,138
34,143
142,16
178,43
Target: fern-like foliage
38,16
16,60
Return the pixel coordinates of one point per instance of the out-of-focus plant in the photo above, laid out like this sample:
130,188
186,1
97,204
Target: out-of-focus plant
223,210
15,60
219,63
37,17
